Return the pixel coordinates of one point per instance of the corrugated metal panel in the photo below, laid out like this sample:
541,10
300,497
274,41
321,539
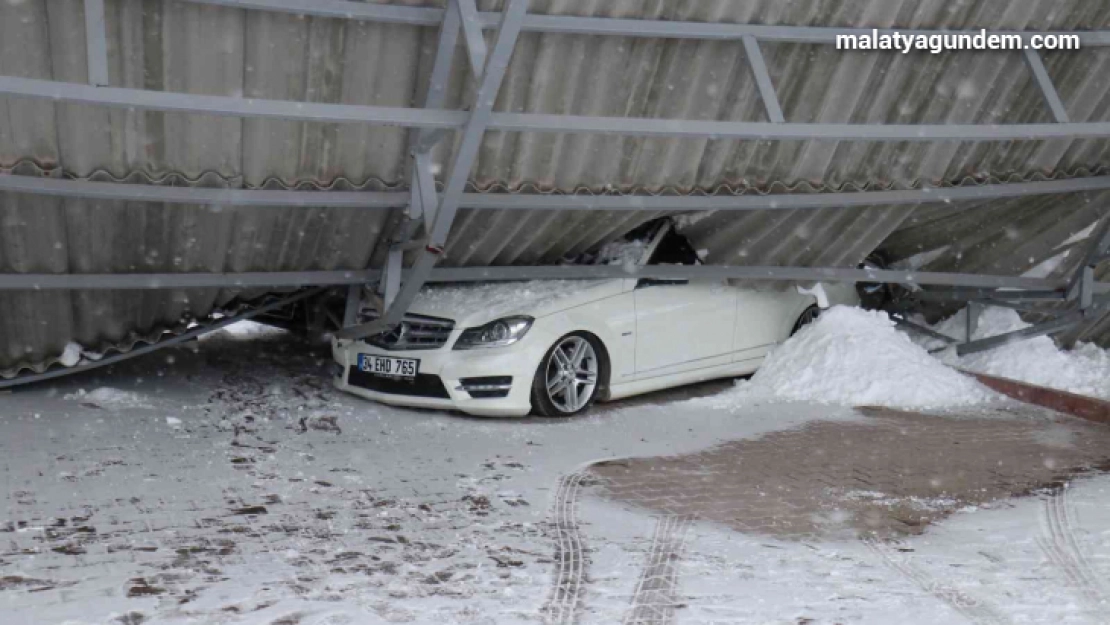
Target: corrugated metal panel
1006,237
175,46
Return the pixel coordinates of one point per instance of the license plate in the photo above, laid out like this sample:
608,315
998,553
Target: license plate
387,366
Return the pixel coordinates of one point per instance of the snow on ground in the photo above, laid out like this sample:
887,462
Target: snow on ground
1084,370
106,397
241,488
855,357
985,565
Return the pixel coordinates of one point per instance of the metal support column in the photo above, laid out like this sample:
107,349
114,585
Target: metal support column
473,131
422,204
972,321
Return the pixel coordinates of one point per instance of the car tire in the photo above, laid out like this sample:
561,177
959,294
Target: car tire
552,373
807,317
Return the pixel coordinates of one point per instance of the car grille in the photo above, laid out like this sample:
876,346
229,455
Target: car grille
423,385
413,333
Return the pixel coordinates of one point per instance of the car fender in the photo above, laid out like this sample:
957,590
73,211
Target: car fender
837,294
606,322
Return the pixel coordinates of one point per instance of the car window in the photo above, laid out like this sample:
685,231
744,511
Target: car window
674,249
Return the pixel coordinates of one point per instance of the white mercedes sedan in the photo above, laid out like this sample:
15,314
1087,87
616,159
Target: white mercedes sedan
553,348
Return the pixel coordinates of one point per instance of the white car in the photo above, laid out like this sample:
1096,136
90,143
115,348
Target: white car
552,348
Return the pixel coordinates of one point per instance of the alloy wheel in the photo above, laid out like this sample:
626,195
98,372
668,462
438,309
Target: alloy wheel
571,374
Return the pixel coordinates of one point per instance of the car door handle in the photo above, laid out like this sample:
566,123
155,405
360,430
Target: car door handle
646,282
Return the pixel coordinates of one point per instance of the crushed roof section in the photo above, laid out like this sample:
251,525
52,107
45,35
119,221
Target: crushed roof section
178,46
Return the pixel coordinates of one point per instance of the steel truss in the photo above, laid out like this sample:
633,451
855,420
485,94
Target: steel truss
435,211
1085,299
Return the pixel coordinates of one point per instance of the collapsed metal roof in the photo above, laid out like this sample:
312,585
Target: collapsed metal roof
186,47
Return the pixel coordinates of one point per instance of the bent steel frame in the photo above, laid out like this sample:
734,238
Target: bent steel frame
481,110
437,211
1004,288
150,347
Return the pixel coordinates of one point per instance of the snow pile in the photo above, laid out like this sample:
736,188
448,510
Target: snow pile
245,329
71,355
107,397
1084,370
856,357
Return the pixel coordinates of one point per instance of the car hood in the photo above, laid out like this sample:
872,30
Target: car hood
476,304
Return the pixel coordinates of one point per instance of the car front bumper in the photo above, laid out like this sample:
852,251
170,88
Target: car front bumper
439,383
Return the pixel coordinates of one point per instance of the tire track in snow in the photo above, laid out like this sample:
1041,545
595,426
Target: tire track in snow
1059,543
654,601
971,608
569,580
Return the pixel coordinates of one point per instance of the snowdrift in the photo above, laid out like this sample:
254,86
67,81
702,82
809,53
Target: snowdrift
856,357
1084,370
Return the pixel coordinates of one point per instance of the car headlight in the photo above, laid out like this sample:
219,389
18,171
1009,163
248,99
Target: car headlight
495,333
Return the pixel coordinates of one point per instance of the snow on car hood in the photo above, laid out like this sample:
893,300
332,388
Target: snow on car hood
479,303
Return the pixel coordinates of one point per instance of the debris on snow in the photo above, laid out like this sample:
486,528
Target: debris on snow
321,422
1084,370
855,357
891,501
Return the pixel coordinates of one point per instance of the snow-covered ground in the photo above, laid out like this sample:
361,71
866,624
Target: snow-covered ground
1084,370
227,482
856,357
1015,563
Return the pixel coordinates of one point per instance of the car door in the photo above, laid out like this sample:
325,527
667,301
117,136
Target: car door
683,325
763,318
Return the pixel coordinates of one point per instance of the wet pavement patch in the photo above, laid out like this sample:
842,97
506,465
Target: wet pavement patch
891,474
